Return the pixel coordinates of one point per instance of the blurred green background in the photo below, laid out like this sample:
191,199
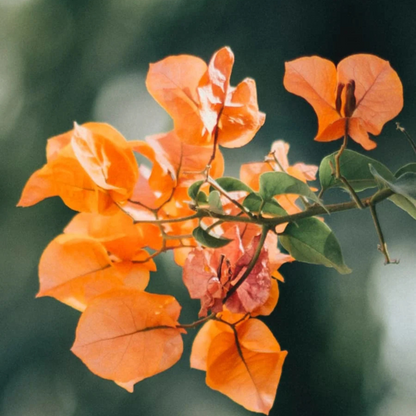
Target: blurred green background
351,339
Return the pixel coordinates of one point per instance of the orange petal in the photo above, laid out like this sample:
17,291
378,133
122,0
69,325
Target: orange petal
202,343
333,131
133,337
56,144
173,83
135,275
280,150
39,187
378,90
240,119
250,173
358,133
64,176
74,269
213,87
117,232
314,79
247,372
187,159
268,307
107,158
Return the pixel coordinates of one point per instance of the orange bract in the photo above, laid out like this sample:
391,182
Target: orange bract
127,335
75,268
244,362
89,167
210,273
363,88
107,159
117,233
201,101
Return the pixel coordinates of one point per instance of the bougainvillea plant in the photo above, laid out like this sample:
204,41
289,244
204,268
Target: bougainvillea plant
230,235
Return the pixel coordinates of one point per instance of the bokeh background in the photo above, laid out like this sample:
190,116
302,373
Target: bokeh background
351,339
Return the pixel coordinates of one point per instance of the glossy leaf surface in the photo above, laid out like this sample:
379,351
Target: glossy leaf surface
354,167
279,183
312,241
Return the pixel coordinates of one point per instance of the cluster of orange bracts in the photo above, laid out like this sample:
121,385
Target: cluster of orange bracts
130,213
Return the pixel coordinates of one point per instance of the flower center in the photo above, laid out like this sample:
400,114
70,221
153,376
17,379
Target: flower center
348,98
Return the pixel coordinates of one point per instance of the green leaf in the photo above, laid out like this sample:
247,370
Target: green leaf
214,202
312,241
208,239
410,167
405,185
354,168
232,184
404,204
194,189
279,183
202,198
404,188
253,202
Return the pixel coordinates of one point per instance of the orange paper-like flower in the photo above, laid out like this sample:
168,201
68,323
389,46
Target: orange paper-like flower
201,101
362,89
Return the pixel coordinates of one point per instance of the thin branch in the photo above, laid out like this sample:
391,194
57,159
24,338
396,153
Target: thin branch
338,175
223,192
169,220
407,135
176,237
213,225
153,210
214,150
353,194
162,250
382,246
341,150
312,211
196,323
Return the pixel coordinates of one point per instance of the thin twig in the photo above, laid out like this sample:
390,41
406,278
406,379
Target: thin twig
382,246
196,323
312,211
223,192
407,135
341,150
216,133
338,175
353,194
169,220
162,250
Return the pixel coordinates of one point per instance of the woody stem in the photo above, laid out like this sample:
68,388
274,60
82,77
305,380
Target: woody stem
341,150
272,222
338,175
216,133
383,246
222,191
196,323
